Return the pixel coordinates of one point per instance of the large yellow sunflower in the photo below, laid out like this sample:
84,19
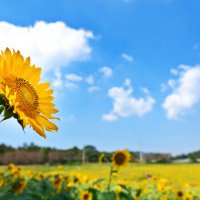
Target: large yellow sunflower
120,158
21,94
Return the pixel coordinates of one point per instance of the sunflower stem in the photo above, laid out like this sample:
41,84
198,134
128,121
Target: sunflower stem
110,178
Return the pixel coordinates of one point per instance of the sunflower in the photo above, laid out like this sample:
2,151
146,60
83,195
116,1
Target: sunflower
1,181
22,96
86,195
19,186
179,194
58,183
120,158
11,167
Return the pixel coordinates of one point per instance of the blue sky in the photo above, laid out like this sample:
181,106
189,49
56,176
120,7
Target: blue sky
126,73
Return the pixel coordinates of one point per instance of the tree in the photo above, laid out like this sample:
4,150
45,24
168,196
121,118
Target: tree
90,148
193,158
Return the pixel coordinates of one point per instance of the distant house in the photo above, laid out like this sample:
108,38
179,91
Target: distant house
185,160
155,157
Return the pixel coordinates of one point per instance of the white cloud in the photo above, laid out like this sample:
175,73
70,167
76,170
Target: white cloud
163,87
127,82
106,71
89,79
172,83
144,90
71,81
127,57
126,105
93,89
186,92
109,117
70,85
184,67
61,83
58,82
50,45
73,77
174,71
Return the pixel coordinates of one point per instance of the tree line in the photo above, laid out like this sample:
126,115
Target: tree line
34,154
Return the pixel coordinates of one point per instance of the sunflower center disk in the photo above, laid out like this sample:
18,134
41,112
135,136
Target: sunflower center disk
27,97
86,197
120,159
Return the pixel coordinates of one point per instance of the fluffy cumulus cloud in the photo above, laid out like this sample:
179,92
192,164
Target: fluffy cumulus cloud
125,104
50,45
185,91
106,71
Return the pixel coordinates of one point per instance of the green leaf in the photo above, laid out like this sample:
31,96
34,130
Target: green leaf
107,196
124,187
94,193
21,124
5,193
138,192
1,109
98,181
3,100
8,113
125,196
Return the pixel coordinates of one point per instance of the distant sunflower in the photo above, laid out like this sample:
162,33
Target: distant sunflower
58,183
86,195
179,194
19,186
120,158
21,94
1,181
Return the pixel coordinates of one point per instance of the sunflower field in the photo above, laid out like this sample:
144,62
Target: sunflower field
92,182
